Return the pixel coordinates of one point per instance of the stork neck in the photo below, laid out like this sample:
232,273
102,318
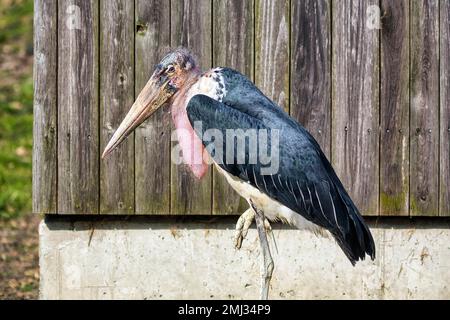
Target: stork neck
180,99
191,146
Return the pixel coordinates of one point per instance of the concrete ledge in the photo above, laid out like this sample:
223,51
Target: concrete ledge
173,258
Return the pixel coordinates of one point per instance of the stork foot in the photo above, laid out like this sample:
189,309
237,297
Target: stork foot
243,224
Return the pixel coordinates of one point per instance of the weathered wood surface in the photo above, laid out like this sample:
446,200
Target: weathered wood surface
377,100
152,138
355,110
394,108
311,68
191,27
444,187
424,101
78,116
45,107
117,95
272,49
232,47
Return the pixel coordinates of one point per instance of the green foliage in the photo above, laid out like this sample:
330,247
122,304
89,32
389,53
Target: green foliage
16,106
15,22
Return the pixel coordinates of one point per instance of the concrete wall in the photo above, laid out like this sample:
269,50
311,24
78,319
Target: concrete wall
193,258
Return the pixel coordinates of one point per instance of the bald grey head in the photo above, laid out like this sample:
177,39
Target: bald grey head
180,57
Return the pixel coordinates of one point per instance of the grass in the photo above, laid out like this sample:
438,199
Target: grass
19,270
16,107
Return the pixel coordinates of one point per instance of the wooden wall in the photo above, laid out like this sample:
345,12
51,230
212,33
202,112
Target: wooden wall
377,100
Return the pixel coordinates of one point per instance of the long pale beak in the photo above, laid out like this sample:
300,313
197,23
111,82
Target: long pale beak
149,100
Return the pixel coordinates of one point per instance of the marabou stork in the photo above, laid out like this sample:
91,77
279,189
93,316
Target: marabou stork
304,192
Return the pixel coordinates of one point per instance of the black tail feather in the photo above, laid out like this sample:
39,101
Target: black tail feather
358,241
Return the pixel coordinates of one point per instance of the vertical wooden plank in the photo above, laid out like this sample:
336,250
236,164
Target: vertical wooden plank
78,125
355,102
152,138
444,206
272,50
232,47
424,95
311,68
45,108
394,108
233,35
191,28
117,95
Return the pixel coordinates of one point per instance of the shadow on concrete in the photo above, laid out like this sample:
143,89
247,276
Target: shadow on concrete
158,222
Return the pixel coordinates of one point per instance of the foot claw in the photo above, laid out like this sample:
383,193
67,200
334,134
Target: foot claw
267,225
243,224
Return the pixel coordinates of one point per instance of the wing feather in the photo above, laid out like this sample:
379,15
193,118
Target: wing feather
324,200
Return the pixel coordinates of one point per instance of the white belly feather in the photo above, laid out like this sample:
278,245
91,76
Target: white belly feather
273,210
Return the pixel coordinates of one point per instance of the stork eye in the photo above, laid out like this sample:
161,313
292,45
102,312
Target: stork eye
170,69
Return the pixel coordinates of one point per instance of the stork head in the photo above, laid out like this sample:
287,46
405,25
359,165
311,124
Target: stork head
169,76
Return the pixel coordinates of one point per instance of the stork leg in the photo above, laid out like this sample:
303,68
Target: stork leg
268,265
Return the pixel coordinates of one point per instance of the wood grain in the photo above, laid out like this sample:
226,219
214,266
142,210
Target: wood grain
355,107
394,108
152,138
376,100
424,132
78,116
45,107
232,47
191,28
272,50
311,68
444,176
117,95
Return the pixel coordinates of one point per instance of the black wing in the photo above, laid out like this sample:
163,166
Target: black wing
305,182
